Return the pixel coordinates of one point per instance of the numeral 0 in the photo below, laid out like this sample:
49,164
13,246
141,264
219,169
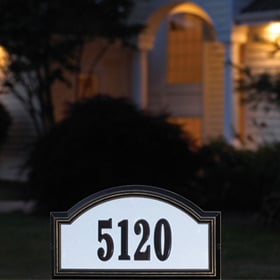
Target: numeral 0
141,227
162,256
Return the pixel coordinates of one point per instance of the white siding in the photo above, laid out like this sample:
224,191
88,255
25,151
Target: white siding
15,151
261,126
258,58
213,95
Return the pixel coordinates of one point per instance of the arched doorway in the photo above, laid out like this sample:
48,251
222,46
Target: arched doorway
182,55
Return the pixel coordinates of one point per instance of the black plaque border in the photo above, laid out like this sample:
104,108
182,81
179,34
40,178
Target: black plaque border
213,218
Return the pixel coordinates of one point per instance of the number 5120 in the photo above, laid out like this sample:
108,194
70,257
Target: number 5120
143,252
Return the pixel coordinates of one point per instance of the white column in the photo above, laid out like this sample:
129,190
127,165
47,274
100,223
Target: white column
140,70
236,96
140,79
239,36
228,94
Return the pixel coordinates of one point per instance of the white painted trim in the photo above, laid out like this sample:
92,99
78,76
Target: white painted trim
140,79
228,98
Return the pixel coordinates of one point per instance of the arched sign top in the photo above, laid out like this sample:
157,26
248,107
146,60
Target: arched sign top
136,232
136,191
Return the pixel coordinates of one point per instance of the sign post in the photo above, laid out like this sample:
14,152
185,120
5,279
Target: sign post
136,232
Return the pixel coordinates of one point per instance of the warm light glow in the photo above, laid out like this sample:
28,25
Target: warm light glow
273,31
3,57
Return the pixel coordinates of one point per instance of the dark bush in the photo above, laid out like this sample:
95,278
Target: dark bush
267,171
107,142
239,180
226,178
267,167
5,122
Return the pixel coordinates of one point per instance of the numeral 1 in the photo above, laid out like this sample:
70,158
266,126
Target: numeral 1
124,240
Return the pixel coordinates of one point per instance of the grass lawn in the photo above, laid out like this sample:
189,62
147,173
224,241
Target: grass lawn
249,251
24,250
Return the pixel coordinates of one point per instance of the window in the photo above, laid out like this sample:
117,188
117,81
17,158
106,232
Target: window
3,57
87,86
3,61
191,126
186,33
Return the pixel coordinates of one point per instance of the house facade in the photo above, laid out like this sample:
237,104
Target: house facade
183,66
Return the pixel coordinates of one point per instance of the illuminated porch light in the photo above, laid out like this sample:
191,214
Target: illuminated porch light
3,57
273,31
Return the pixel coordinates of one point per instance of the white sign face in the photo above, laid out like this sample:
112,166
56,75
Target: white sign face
135,232
132,231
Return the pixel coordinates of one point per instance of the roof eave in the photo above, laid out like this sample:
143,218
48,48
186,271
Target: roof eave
254,18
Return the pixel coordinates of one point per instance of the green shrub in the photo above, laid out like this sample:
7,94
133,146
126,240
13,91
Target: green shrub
267,167
268,176
239,180
5,122
107,142
225,179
